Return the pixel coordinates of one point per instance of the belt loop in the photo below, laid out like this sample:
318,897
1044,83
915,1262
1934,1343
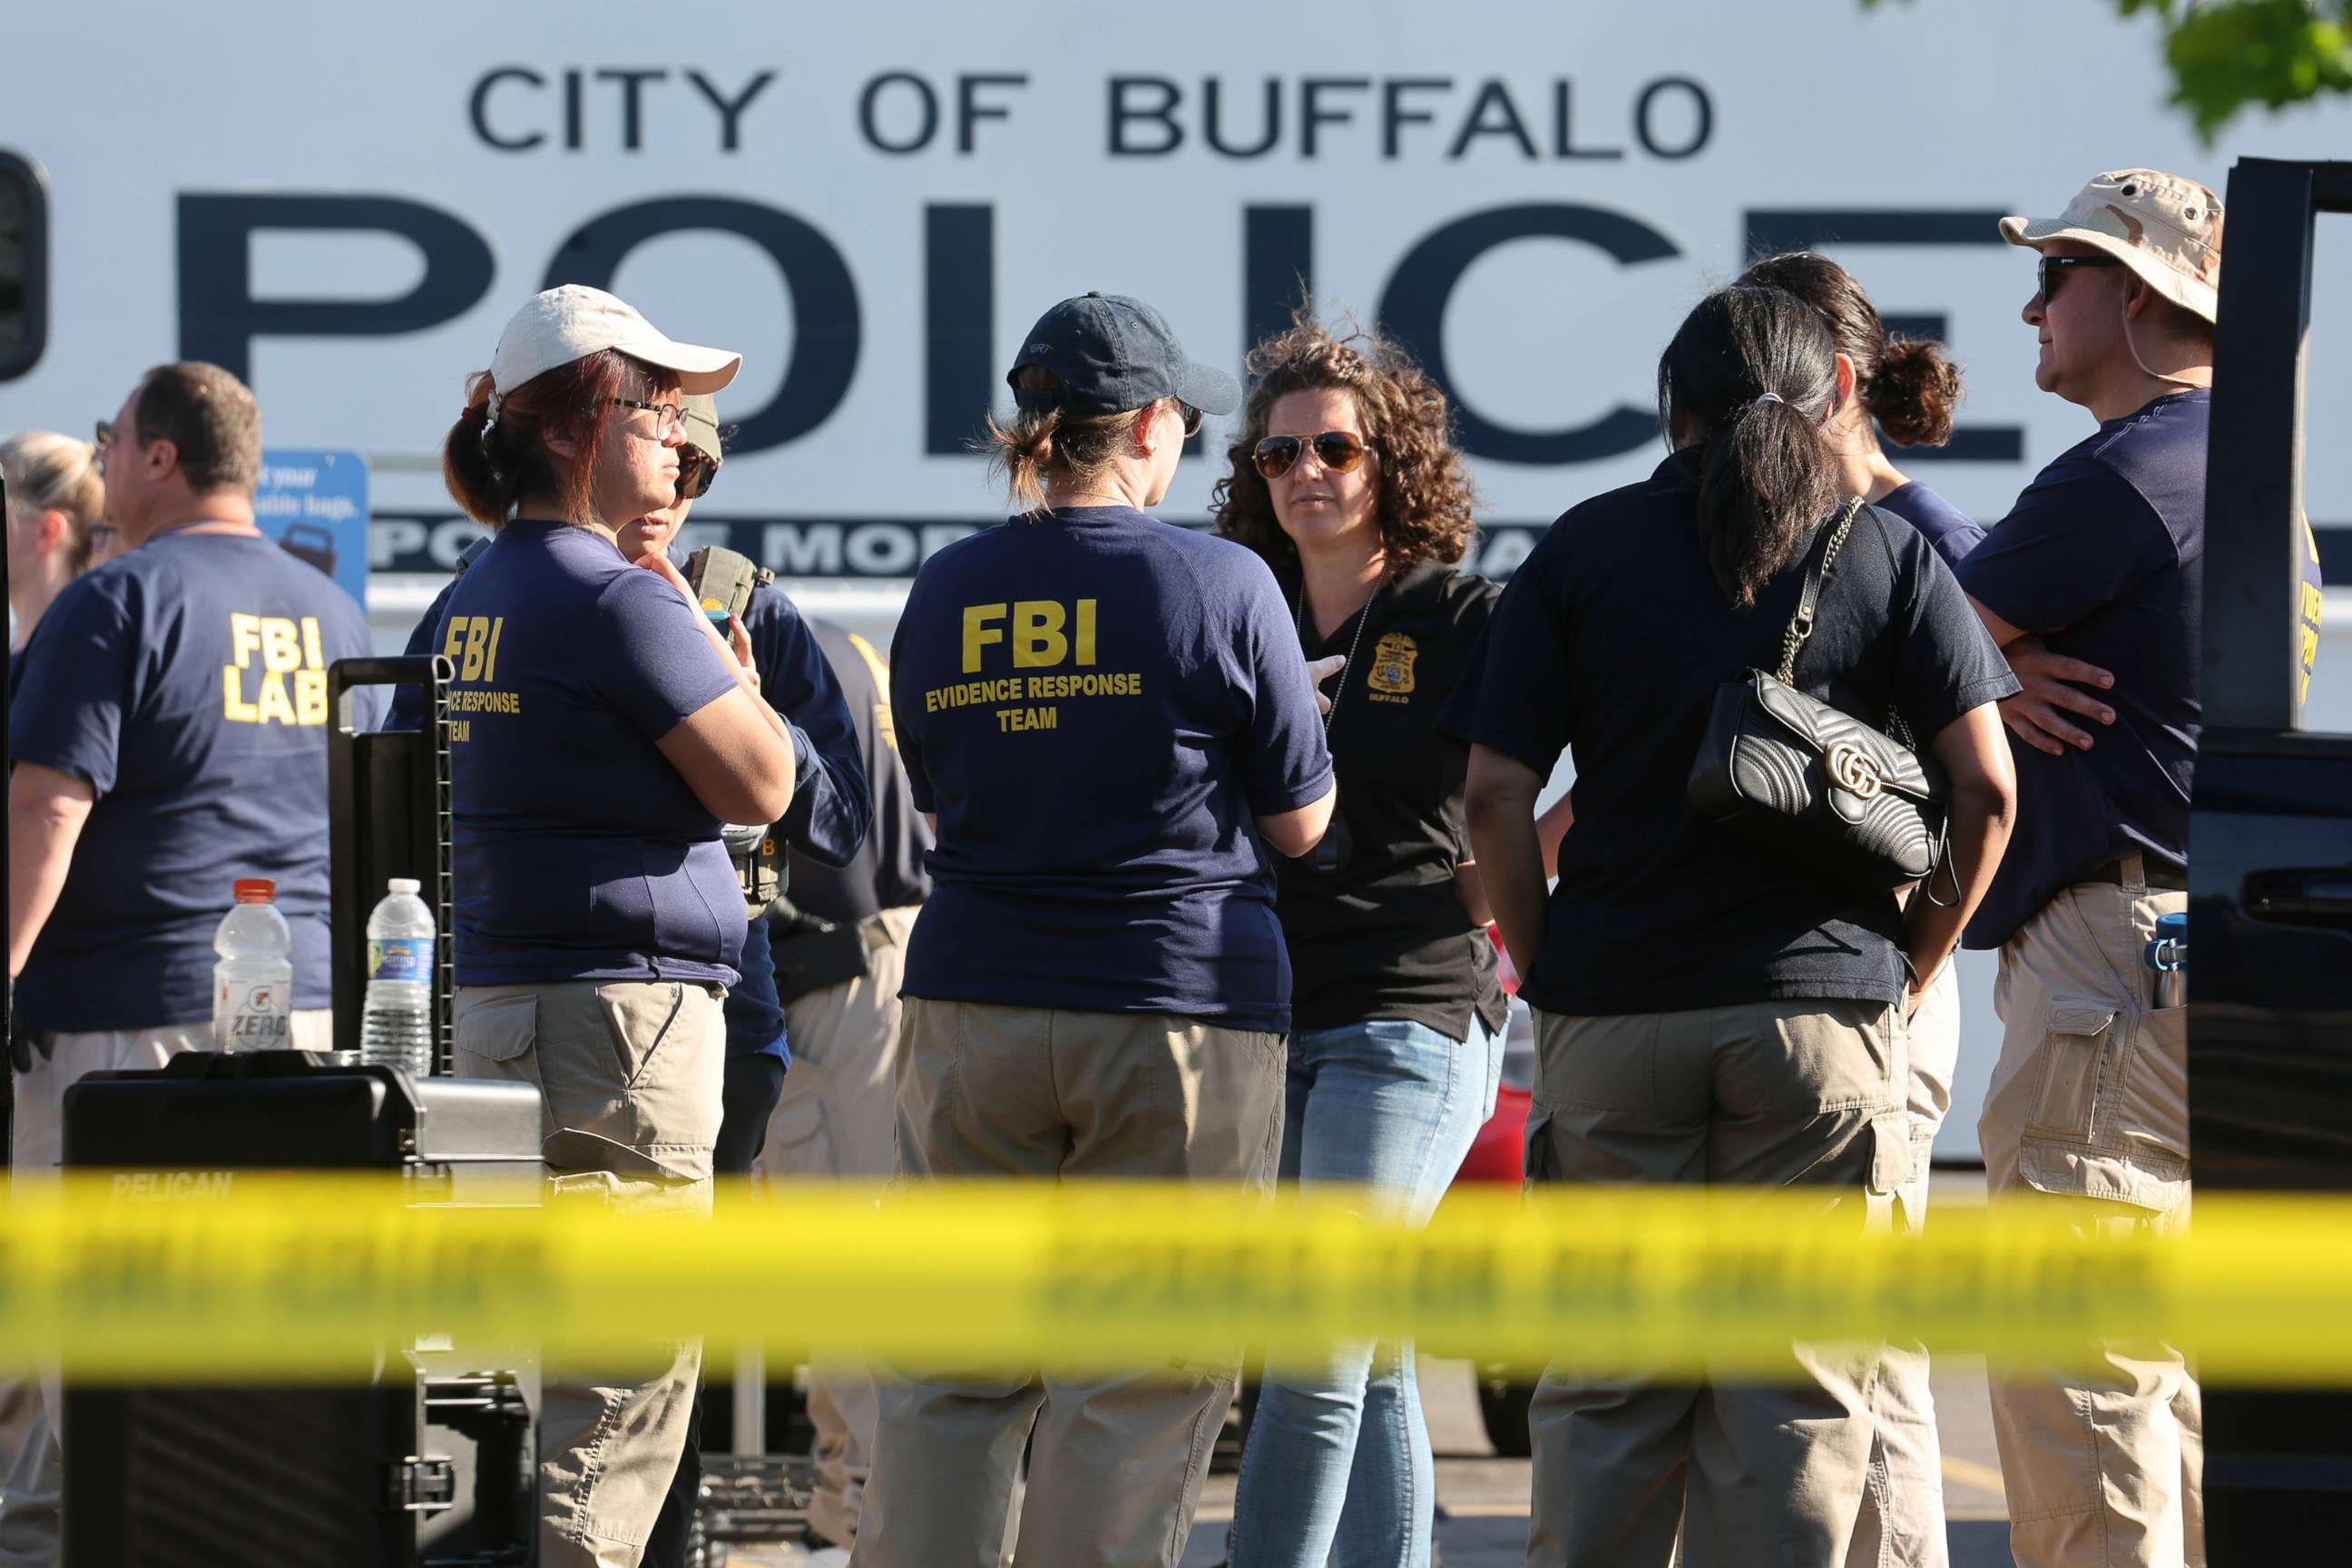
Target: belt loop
2135,872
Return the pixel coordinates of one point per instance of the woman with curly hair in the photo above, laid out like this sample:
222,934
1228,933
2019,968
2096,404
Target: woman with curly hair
1346,479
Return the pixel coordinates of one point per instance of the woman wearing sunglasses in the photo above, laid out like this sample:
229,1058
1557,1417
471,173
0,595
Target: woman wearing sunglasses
1103,717
1345,480
699,458
601,731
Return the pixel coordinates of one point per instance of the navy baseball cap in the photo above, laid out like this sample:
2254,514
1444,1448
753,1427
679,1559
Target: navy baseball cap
1113,354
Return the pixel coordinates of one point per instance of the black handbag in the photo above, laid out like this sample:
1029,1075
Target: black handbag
1791,773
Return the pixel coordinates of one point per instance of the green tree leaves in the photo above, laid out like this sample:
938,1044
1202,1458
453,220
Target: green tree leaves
2226,55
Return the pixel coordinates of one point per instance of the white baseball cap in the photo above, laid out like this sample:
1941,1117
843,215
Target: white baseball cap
559,325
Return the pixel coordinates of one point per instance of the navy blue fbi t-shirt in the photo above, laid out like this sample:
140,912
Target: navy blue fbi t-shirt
2104,556
1381,933
1095,705
1952,532
580,853
186,681
1611,640
832,807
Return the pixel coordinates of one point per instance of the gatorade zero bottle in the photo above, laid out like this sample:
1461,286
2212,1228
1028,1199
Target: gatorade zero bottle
253,983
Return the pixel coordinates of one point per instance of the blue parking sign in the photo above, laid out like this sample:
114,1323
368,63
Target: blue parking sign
315,505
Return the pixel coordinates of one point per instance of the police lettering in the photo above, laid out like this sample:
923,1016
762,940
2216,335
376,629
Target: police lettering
288,647
1671,118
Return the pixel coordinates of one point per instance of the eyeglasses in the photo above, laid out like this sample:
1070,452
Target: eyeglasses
1337,450
696,469
673,416
2054,268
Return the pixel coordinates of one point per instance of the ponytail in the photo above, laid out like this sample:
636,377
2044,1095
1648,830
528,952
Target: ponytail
1905,384
1913,393
1750,379
497,454
1022,454
1765,478
1044,445
473,480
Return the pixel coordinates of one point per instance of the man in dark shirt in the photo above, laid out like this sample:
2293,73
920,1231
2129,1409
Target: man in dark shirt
837,971
2102,558
170,738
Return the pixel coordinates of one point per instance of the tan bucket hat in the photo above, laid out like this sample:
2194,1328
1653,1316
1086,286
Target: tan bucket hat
2168,230
702,425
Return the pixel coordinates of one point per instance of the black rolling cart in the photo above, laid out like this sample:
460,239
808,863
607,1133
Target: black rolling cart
432,1464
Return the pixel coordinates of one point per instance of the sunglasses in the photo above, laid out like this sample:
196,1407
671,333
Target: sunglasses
694,472
2054,268
1192,418
1337,450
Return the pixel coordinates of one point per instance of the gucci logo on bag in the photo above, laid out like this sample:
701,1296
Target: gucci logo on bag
1855,772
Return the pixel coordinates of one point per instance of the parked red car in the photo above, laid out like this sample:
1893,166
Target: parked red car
1499,1153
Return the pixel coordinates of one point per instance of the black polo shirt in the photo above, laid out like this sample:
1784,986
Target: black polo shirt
1612,642
1384,934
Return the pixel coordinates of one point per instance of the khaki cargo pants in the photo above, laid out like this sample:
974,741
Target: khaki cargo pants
836,1119
630,1076
1117,1462
1901,1523
2090,1100
1774,1094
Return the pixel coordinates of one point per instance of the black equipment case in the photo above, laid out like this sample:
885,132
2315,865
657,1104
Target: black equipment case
433,1464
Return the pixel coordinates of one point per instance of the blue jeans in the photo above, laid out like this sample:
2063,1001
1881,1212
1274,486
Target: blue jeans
1341,1457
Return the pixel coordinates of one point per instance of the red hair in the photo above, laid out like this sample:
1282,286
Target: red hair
492,458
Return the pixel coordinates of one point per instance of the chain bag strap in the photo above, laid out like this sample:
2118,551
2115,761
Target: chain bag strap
1798,774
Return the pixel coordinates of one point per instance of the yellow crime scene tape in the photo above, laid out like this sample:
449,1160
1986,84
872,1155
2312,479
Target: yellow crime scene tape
229,1278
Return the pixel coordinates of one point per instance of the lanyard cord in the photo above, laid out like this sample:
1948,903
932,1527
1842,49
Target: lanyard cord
1363,619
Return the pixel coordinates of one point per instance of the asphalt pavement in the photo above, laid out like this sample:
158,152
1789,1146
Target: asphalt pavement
1481,1500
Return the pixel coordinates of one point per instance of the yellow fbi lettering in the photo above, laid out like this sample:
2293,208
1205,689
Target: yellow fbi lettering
1039,632
286,647
472,644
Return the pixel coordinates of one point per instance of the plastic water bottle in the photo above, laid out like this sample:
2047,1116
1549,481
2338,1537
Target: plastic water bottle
253,983
396,1029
